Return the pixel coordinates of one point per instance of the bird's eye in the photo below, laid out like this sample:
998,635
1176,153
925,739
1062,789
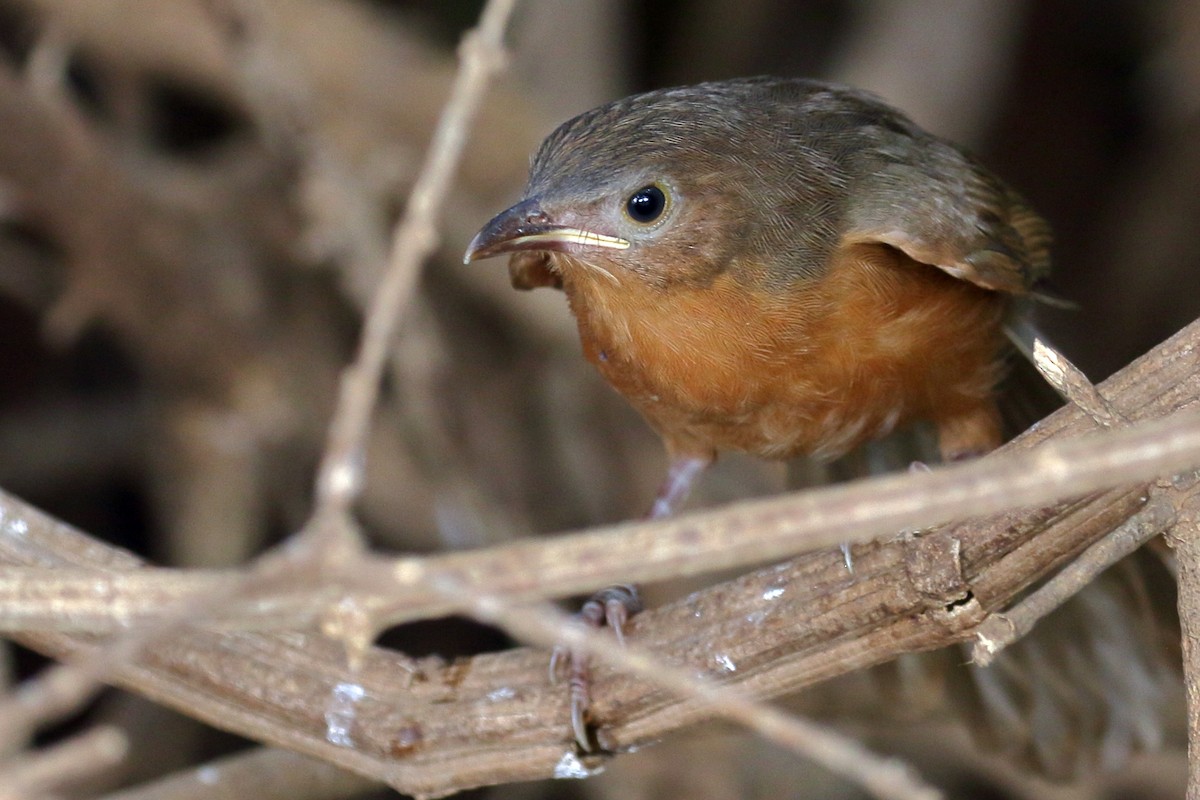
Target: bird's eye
647,204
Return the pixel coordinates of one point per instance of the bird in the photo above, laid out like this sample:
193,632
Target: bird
776,266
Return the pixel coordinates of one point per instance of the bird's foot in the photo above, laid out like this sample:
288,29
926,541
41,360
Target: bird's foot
612,607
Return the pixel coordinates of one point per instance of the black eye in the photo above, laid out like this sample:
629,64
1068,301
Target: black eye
646,204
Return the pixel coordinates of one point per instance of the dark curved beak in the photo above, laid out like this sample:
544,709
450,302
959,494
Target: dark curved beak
526,227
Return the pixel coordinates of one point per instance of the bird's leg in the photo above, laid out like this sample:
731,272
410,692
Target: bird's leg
613,607
616,604
678,485
971,433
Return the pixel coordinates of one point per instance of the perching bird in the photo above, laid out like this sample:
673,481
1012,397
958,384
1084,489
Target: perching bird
777,266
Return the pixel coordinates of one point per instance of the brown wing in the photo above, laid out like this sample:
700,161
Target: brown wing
947,211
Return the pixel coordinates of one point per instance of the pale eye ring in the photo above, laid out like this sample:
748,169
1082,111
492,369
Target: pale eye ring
647,205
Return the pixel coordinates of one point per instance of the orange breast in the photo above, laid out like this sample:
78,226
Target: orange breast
879,340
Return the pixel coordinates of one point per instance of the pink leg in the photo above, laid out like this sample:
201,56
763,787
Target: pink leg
678,485
616,604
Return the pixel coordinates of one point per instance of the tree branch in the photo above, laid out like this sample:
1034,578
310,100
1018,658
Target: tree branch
1185,538
426,726
264,772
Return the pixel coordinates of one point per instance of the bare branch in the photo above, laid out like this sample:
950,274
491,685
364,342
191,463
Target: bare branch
264,773
1002,629
399,590
427,726
762,530
339,481
888,779
33,774
1185,538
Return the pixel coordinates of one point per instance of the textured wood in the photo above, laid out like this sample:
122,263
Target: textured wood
428,726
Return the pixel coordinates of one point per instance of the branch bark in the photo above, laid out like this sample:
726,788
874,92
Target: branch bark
1185,538
426,726
264,773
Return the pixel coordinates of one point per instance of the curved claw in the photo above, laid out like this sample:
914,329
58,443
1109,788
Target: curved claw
612,607
847,557
579,726
556,657
581,701
620,603
616,615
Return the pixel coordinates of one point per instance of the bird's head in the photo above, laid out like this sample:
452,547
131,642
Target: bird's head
667,187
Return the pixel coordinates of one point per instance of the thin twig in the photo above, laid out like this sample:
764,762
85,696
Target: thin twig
395,590
340,483
65,686
61,688
83,600
1003,628
763,530
1185,538
1071,383
35,773
265,773
419,729
339,480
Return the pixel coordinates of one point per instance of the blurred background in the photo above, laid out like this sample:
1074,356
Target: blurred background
196,199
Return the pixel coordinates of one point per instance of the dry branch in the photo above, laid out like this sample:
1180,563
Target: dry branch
39,773
1185,538
264,773
1003,628
339,482
428,726
142,255
394,590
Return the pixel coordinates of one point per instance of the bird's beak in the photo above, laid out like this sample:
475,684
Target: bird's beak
526,227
